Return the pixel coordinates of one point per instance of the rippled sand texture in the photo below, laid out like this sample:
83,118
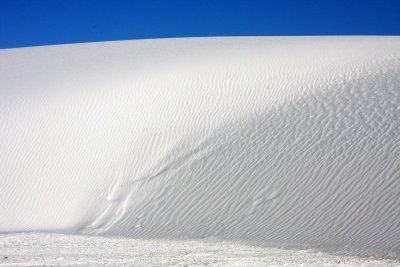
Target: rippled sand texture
285,140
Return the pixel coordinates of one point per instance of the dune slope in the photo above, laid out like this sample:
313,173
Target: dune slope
284,140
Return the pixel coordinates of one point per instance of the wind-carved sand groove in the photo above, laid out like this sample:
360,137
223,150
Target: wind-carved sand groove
290,141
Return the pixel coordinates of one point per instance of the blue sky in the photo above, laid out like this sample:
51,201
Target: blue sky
45,22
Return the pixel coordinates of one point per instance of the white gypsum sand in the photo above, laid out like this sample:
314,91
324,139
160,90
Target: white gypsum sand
291,141
40,249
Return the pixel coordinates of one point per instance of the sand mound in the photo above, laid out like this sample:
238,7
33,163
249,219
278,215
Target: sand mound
283,140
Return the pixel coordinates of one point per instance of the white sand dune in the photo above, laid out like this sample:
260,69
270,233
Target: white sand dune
289,141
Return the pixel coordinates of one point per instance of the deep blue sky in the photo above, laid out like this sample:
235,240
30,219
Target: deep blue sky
44,22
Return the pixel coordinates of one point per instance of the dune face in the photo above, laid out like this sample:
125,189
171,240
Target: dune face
284,140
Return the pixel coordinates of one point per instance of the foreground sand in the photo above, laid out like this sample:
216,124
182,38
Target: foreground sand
38,249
